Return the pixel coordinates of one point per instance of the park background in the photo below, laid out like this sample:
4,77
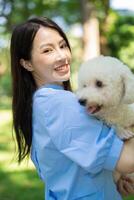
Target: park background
93,27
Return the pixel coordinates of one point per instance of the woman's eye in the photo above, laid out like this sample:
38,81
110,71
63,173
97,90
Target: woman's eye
47,50
64,45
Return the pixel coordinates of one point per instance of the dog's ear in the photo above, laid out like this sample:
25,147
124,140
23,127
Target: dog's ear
128,88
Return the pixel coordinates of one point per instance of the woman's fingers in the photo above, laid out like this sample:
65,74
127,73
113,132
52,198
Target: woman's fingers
121,188
125,185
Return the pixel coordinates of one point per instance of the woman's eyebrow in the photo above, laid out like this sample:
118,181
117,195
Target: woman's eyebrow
44,45
51,44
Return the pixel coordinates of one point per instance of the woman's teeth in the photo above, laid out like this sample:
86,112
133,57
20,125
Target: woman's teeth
61,68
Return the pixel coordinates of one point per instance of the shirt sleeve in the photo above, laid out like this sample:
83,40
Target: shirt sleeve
82,138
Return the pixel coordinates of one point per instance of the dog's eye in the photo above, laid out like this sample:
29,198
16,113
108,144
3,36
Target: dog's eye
84,85
99,83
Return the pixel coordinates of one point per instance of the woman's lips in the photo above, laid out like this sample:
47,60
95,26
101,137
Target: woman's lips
62,68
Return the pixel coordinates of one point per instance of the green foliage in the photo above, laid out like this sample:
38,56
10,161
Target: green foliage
127,55
120,35
5,85
53,8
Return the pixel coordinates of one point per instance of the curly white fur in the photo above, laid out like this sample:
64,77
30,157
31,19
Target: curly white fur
106,87
106,83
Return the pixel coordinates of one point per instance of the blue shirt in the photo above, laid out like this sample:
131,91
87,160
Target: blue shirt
74,153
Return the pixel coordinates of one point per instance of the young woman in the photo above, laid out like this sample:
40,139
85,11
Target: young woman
74,153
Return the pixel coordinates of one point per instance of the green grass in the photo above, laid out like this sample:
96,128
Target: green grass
129,198
17,182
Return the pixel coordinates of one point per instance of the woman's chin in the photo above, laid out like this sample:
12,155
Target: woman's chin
63,77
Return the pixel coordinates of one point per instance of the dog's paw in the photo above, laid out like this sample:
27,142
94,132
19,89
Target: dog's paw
124,134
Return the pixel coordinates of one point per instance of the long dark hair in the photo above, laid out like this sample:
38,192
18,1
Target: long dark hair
23,84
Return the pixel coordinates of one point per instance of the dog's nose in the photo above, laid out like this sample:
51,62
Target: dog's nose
82,101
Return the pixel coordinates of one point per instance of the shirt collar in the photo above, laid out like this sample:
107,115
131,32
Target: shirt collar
54,86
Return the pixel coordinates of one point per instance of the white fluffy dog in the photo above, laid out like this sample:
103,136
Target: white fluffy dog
106,88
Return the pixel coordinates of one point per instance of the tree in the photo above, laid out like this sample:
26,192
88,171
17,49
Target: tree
91,39
19,11
120,36
88,13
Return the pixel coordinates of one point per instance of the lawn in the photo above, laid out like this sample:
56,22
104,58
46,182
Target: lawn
16,182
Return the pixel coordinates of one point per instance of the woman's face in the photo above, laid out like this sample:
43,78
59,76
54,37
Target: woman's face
50,57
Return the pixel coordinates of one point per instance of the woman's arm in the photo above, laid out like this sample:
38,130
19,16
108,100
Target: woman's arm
125,163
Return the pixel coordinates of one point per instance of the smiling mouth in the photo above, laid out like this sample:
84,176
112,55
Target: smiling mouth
94,109
62,68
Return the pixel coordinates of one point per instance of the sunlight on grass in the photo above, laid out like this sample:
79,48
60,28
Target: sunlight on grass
15,179
14,166
8,160
5,117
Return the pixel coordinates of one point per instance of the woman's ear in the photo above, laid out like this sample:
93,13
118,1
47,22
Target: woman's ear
26,64
128,85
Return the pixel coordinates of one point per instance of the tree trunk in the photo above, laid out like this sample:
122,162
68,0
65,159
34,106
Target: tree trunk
104,28
91,38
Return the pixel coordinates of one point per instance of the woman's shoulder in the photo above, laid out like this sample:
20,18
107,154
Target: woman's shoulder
52,94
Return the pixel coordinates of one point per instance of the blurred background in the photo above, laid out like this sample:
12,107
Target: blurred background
93,27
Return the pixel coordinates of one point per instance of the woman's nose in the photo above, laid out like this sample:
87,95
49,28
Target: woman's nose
60,54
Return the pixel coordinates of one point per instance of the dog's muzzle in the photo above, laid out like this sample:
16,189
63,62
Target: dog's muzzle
83,102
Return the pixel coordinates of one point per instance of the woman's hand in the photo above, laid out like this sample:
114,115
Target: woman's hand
125,185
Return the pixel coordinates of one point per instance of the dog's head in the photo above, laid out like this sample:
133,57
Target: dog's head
104,82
